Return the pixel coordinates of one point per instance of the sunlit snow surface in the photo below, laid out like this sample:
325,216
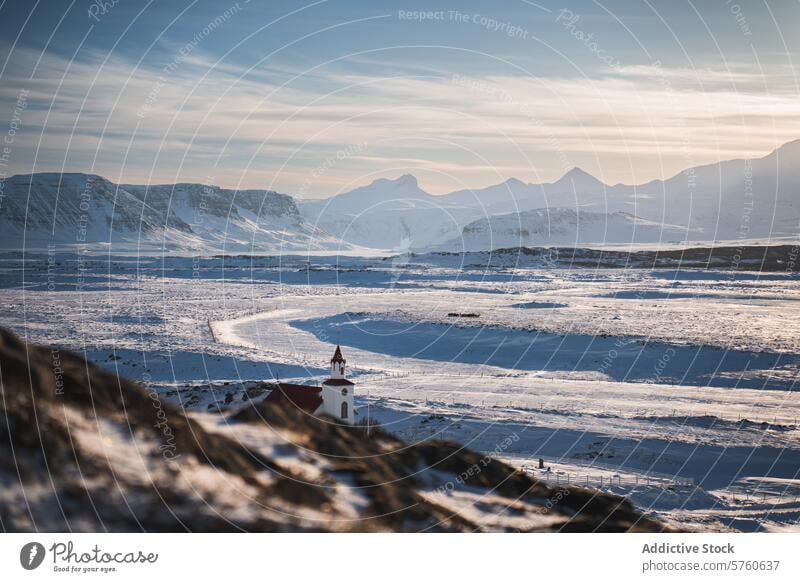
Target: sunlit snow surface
617,378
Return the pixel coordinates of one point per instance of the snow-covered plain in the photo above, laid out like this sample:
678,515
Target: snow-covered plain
673,387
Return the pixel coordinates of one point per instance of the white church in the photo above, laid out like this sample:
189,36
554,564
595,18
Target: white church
334,398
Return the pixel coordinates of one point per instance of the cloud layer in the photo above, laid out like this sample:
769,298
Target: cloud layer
339,124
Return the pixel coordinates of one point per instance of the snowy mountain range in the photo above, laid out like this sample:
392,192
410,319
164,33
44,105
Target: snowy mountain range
389,214
727,201
50,208
558,226
734,200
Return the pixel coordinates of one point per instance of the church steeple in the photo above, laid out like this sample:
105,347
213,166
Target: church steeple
337,364
338,391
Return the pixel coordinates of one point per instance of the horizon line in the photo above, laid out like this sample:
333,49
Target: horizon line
401,176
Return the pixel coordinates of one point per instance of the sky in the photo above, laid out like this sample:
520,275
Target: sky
314,99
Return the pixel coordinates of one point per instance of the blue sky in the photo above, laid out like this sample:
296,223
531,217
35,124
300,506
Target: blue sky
316,98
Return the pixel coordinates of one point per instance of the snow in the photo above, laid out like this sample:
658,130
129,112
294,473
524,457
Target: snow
729,201
560,226
91,212
734,200
647,375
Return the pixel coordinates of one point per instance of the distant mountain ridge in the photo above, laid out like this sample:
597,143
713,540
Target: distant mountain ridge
387,214
51,208
559,226
731,200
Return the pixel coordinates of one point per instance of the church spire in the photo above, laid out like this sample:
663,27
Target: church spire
337,364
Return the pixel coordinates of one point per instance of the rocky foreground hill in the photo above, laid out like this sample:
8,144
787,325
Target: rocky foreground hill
84,450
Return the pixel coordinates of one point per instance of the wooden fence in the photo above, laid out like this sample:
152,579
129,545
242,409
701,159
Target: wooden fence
659,480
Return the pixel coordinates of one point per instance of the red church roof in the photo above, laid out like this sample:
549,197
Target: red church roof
337,355
307,398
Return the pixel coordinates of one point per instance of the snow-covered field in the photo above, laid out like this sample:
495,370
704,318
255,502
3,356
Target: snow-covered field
674,387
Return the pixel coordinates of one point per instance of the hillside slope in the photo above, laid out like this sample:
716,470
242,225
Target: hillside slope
84,450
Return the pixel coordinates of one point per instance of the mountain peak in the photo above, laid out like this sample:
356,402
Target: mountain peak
404,181
407,180
578,178
576,172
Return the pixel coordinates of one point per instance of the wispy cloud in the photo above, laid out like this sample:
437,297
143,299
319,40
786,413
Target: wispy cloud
272,126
